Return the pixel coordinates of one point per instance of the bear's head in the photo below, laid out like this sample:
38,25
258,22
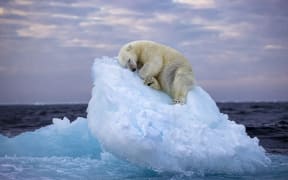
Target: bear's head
127,57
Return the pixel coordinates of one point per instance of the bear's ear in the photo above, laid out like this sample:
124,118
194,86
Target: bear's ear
129,47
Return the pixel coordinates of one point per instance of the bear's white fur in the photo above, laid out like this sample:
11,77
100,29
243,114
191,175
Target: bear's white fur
161,67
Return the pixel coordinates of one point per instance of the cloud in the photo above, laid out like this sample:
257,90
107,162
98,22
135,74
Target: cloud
165,17
120,18
1,11
23,2
224,28
87,44
275,47
37,31
66,16
197,4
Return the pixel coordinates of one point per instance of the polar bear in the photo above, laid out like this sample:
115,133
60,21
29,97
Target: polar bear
160,67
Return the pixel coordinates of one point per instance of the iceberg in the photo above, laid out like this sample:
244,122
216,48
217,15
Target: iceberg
140,125
62,138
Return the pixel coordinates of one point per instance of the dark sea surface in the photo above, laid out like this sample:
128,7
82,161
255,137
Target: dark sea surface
66,150
267,121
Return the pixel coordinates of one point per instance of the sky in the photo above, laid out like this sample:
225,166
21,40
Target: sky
238,49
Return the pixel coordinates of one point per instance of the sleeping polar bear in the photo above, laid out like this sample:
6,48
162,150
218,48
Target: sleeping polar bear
160,66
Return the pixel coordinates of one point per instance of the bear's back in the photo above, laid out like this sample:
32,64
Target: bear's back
150,49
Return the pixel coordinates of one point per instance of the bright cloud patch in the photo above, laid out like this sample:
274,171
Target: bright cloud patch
197,3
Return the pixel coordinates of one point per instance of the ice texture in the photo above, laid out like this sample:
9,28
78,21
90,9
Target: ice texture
62,138
140,124
67,150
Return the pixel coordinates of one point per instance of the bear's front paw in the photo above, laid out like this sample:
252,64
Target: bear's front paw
178,101
148,81
152,82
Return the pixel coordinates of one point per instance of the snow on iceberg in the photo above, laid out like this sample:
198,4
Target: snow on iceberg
139,124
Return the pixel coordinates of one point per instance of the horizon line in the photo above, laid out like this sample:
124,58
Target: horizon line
86,103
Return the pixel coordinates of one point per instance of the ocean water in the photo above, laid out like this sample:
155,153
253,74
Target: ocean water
267,121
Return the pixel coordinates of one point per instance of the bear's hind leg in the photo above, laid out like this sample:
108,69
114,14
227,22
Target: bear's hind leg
181,86
179,95
179,91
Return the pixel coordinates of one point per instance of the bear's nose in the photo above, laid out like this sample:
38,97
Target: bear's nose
133,70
